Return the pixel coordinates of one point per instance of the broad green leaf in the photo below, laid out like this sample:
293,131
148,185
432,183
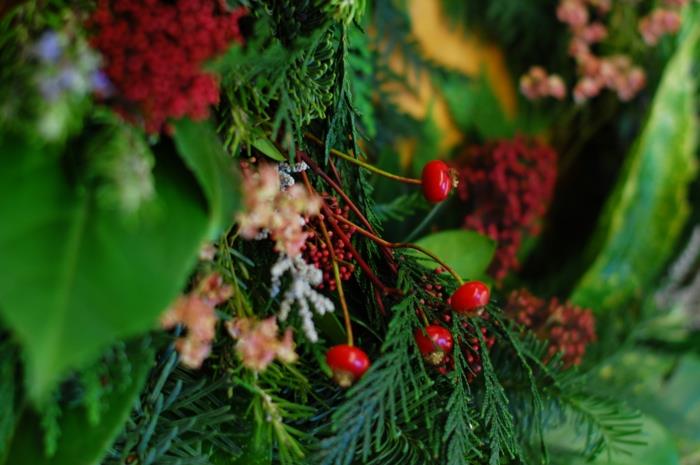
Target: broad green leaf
648,209
75,277
8,396
82,443
203,153
475,107
467,252
429,147
268,148
657,448
659,384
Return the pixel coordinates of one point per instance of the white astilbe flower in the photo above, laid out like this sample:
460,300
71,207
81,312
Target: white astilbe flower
300,291
285,171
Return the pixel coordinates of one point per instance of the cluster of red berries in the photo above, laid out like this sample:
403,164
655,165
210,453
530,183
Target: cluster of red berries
568,328
154,51
507,187
315,249
435,342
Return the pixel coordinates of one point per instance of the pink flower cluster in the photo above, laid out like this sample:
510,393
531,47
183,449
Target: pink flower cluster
537,84
196,312
269,210
615,72
660,22
257,344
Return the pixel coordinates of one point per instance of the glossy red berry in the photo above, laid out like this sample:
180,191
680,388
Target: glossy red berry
437,181
348,364
470,296
435,343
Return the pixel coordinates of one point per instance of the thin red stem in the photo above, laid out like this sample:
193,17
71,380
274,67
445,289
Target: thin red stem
346,240
401,245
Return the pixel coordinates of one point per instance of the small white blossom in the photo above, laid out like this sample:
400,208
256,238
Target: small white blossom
300,291
285,171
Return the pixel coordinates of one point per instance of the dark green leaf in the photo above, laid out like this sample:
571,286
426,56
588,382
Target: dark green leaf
8,396
82,443
204,154
75,277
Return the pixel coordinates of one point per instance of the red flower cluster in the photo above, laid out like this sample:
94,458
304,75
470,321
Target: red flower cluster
316,251
154,50
507,186
568,328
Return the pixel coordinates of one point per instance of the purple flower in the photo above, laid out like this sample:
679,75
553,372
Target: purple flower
48,48
100,84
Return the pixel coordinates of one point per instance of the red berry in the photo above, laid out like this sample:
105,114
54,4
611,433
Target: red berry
470,296
348,364
435,343
437,181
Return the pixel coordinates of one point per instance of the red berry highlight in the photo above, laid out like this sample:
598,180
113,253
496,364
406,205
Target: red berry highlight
471,296
437,181
348,364
435,343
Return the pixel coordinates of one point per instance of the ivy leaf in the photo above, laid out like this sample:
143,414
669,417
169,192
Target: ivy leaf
467,252
75,276
82,443
648,208
200,148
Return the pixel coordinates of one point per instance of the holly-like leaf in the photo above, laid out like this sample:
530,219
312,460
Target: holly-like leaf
75,276
648,209
82,443
199,146
467,252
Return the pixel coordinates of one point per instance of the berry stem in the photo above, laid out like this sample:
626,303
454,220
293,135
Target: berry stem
426,220
385,251
365,165
346,240
338,282
402,245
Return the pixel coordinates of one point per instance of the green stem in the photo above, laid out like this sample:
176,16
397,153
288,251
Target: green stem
365,165
424,223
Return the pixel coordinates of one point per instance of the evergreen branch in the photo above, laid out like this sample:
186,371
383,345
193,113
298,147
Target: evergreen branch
401,207
462,443
495,414
388,395
606,425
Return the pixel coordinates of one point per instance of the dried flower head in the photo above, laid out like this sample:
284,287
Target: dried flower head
568,328
257,344
506,189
